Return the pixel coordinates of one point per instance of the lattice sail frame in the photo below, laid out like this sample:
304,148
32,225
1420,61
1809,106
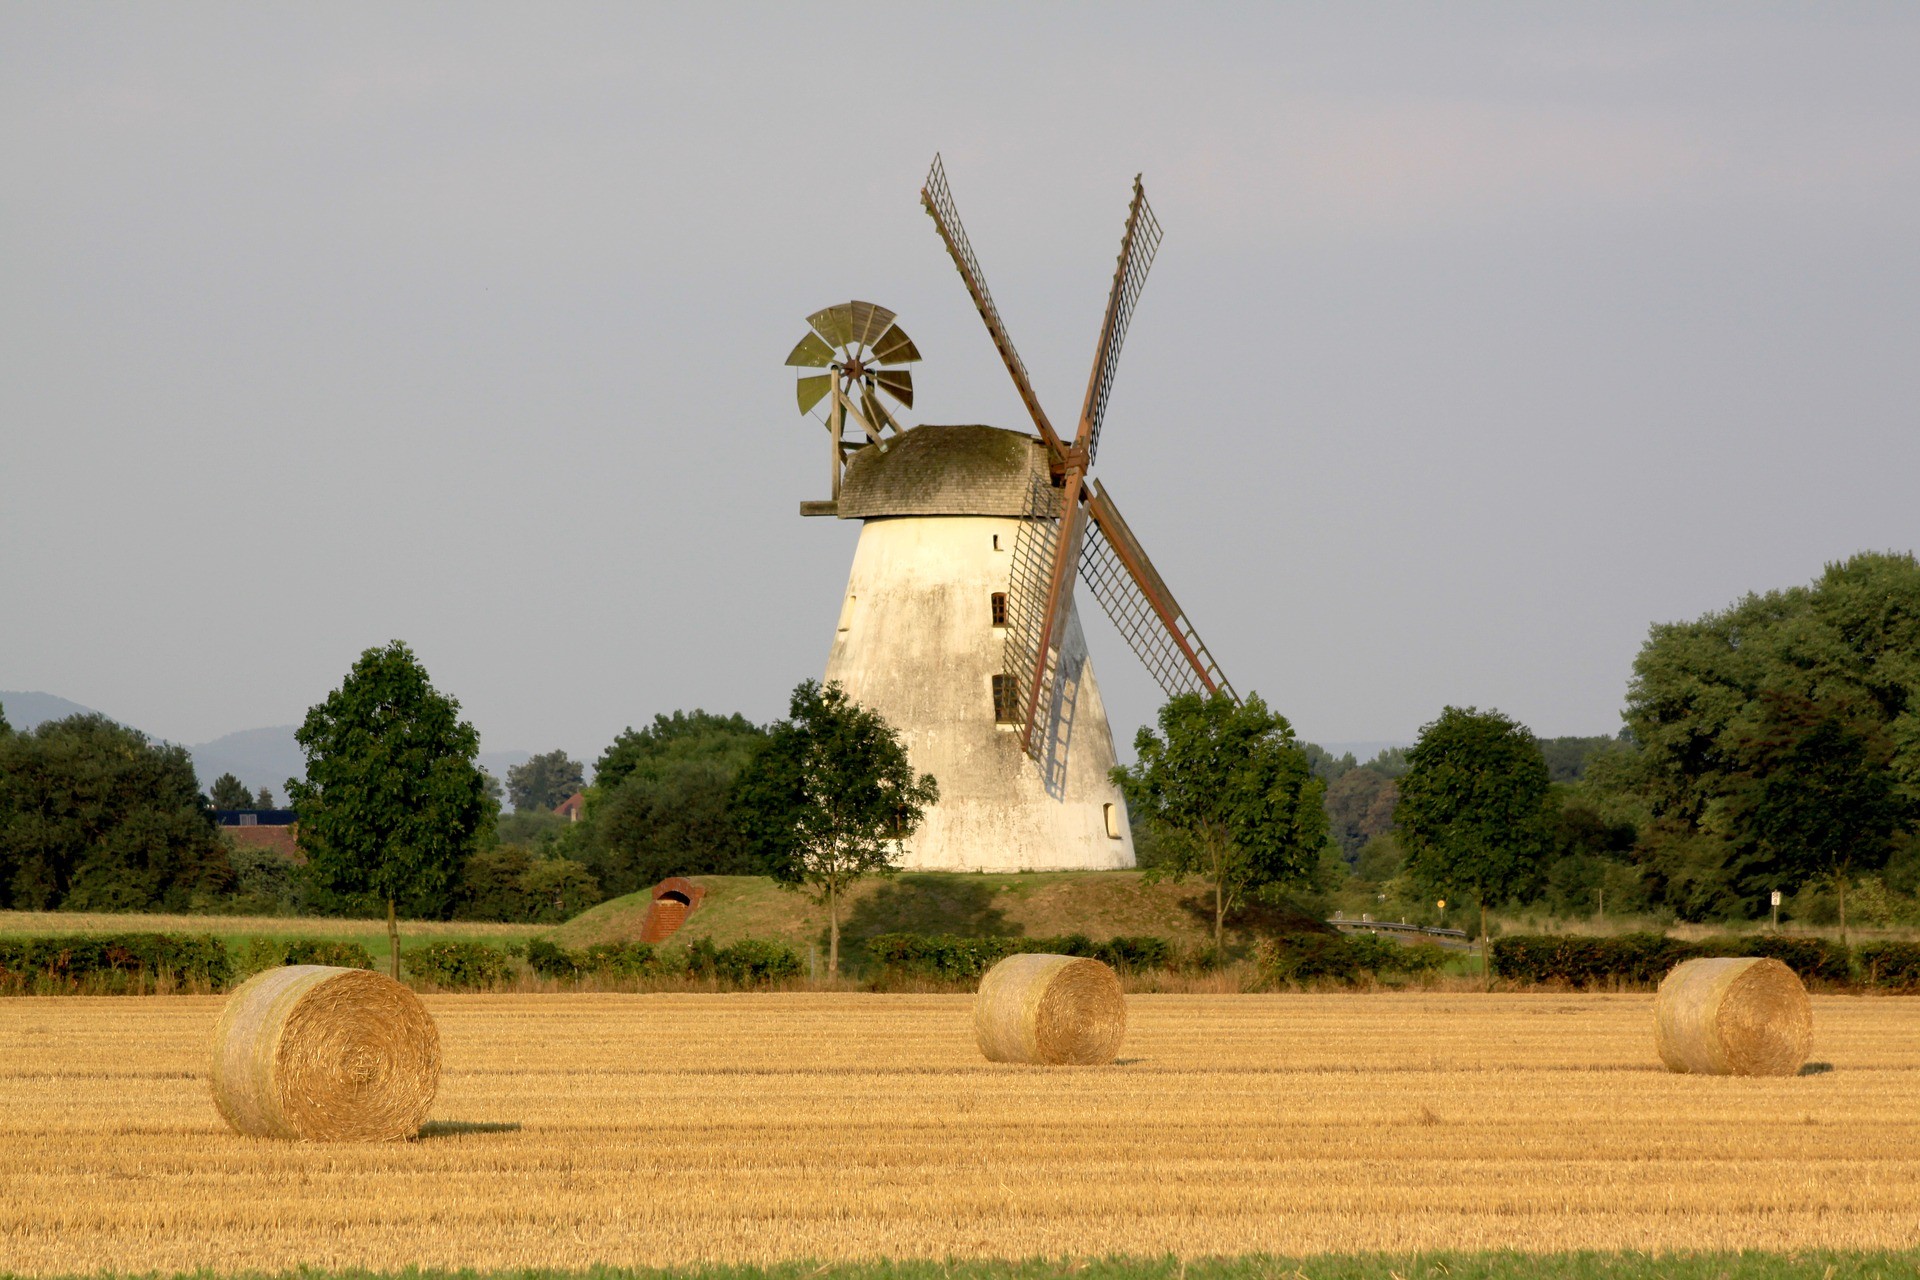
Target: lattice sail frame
1069,527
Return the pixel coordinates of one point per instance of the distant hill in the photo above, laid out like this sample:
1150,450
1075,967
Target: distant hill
30,710
258,757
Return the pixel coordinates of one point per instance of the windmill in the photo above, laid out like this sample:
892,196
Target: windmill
959,624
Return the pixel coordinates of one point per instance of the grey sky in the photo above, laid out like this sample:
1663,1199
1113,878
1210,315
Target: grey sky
1482,337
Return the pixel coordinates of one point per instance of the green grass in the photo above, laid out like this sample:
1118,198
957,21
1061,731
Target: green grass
1810,1265
1049,904
371,934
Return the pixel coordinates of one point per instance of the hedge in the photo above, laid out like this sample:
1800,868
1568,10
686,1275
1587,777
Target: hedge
459,966
1894,965
608,959
959,959
1305,957
746,963
111,962
1642,959
257,954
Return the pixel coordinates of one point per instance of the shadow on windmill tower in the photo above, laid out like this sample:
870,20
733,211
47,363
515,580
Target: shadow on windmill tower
959,624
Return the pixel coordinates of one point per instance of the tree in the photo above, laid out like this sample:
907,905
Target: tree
665,802
1232,796
1360,807
695,732
1474,815
1820,799
95,817
558,889
1703,716
265,799
228,792
544,781
830,797
393,802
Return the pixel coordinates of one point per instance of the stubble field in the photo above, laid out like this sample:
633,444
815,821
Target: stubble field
672,1129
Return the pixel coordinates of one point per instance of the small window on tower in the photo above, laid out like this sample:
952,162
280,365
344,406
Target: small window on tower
1004,697
996,542
999,608
1113,821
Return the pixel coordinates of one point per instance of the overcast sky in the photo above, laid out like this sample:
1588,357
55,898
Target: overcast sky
1482,337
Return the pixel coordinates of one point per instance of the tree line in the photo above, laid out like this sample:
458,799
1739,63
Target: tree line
1774,745
397,817
1770,746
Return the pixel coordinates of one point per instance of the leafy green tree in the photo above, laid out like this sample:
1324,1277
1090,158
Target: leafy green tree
1821,800
1360,807
558,889
665,802
1590,867
228,792
1475,813
1703,715
830,797
265,799
490,886
95,817
393,802
1567,757
1231,795
544,781
684,733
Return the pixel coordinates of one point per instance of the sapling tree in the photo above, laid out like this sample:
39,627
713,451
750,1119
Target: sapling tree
1231,796
1474,813
830,797
393,802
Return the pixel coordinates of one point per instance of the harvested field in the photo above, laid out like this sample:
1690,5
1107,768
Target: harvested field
667,1129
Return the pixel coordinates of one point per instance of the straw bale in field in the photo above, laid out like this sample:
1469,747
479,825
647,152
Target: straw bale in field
1050,1009
332,1055
1733,1017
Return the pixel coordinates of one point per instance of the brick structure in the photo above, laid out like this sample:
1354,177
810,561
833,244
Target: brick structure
673,901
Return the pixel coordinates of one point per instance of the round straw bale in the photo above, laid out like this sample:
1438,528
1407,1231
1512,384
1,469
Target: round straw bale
1733,1017
329,1055
1050,1009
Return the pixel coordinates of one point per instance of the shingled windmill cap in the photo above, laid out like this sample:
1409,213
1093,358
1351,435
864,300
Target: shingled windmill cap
944,471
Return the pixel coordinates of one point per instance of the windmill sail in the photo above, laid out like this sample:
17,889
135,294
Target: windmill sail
1137,247
938,200
1136,598
1070,528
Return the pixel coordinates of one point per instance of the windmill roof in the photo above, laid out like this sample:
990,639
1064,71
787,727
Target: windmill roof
943,471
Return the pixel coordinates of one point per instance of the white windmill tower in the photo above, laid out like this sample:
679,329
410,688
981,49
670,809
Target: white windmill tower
958,623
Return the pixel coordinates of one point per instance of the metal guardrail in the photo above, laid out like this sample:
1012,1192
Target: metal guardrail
1397,927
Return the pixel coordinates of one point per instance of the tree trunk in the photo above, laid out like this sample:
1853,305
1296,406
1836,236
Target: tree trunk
1219,919
1840,883
393,941
833,932
1486,960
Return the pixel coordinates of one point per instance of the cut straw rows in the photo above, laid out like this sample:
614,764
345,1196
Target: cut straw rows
668,1129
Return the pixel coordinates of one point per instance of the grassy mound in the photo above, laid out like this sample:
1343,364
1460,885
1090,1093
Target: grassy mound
1099,904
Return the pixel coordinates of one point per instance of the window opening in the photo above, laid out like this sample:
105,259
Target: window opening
1112,815
1004,698
999,608
996,542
